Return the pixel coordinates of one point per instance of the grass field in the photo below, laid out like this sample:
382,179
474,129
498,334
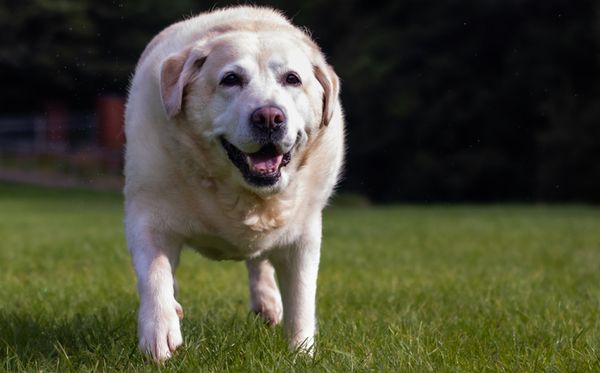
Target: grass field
416,289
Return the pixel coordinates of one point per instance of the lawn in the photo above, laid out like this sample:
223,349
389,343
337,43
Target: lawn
511,288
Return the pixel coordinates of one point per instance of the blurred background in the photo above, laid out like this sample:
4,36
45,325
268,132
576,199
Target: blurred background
446,101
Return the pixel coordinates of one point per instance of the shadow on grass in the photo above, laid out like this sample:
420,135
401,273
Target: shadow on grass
106,339
42,340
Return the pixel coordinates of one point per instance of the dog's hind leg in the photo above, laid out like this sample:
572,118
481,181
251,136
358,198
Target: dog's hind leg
265,299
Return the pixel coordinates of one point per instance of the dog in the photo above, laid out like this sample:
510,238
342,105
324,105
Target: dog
235,142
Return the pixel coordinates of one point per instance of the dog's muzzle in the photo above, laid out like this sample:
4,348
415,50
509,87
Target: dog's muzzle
268,124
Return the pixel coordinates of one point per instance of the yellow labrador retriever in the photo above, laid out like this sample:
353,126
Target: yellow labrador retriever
235,141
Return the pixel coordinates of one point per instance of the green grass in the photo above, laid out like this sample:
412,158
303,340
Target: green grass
403,288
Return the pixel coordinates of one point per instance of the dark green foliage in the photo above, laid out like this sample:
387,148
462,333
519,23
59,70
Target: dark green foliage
445,100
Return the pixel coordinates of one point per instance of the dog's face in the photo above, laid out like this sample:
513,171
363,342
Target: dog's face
254,99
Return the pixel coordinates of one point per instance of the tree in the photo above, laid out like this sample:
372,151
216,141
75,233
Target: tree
445,100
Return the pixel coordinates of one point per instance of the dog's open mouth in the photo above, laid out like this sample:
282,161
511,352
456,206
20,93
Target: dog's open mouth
262,168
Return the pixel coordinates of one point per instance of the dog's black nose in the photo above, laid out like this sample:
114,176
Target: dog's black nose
269,118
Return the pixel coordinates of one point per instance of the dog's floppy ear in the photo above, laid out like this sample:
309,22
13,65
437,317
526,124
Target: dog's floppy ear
176,72
331,88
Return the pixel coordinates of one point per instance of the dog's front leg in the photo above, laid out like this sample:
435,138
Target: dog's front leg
297,268
155,256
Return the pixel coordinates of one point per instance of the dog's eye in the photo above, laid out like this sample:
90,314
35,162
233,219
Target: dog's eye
293,79
231,79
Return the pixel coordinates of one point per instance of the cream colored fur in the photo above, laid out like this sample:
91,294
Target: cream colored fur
182,189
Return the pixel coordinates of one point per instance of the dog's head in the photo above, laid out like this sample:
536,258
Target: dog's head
253,99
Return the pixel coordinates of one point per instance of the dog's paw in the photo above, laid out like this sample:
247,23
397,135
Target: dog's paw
267,304
305,346
159,331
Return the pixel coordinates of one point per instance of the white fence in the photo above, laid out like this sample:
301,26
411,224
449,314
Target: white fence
31,134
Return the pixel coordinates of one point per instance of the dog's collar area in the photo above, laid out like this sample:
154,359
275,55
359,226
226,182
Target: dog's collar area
262,168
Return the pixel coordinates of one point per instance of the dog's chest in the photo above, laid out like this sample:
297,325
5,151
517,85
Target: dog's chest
230,227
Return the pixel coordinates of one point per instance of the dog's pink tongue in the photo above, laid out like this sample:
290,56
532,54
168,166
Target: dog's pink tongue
265,163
